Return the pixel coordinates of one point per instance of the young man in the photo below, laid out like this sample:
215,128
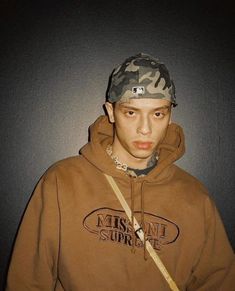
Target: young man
75,235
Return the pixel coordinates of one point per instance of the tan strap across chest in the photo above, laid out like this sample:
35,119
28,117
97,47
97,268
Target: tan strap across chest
140,233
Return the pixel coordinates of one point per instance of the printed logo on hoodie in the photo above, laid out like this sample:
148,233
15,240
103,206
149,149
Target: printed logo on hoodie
113,225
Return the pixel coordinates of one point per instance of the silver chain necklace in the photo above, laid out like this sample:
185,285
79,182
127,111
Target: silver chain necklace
119,165
123,166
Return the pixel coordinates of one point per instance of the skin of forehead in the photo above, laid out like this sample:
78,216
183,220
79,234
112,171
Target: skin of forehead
139,107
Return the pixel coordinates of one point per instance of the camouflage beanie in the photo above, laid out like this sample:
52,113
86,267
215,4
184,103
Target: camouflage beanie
141,76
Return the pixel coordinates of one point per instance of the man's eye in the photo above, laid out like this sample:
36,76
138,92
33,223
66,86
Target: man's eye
130,113
158,114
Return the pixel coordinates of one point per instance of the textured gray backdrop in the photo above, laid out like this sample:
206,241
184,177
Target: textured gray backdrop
56,57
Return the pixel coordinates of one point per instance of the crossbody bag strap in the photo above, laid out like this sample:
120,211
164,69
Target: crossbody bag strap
140,233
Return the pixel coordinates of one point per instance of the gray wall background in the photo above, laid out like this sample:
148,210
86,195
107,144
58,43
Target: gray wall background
56,57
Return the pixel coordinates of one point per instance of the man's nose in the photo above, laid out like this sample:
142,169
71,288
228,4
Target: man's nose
144,126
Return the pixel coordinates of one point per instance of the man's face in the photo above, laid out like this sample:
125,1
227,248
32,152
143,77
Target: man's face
139,126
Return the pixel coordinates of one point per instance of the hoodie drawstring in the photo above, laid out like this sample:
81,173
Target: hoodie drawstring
132,214
143,218
142,222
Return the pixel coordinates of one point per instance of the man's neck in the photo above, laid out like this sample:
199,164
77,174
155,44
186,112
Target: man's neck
137,166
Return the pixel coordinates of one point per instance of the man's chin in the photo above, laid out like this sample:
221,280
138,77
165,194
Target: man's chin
142,154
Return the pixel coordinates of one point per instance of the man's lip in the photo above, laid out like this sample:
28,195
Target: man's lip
143,144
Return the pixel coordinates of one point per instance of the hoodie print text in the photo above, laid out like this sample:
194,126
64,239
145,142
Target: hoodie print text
113,225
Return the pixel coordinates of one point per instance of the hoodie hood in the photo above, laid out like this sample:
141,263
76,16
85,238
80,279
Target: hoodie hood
101,135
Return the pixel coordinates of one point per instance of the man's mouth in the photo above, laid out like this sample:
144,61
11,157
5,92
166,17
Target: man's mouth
143,145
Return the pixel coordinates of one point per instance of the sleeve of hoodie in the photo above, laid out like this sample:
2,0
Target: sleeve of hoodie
215,269
34,260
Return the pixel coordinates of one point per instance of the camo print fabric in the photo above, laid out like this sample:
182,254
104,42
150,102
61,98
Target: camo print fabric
141,76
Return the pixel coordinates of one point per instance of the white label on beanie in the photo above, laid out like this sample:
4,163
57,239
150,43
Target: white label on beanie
138,90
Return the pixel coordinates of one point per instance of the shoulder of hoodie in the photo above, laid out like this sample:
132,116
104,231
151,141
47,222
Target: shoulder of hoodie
65,166
194,188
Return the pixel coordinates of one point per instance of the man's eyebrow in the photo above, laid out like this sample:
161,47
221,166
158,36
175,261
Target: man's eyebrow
123,105
163,107
128,106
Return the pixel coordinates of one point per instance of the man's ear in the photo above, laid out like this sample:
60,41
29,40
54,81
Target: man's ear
110,110
170,120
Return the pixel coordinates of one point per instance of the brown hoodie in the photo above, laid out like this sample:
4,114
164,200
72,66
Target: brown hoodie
76,236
